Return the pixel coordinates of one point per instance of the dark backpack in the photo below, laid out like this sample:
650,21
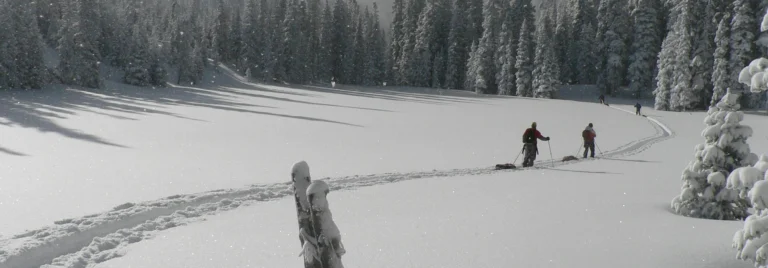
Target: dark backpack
529,136
587,135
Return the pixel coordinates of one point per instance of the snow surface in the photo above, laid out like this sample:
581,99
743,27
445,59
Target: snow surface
436,200
601,214
70,152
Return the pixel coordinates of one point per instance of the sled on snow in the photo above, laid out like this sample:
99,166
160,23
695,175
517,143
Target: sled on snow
505,166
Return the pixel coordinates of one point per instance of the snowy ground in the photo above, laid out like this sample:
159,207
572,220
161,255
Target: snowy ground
93,152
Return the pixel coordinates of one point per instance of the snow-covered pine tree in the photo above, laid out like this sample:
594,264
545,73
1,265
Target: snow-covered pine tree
752,182
78,48
266,44
702,59
586,57
28,62
611,48
750,241
360,47
743,36
545,72
237,43
378,50
721,77
563,35
339,42
683,95
397,35
158,74
665,74
704,193
7,48
645,47
292,60
458,41
485,79
524,61
475,20
471,76
325,61
410,27
581,47
252,39
313,25
506,76
505,80
504,36
351,62
420,63
137,68
438,69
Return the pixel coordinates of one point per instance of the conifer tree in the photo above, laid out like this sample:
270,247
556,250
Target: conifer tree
645,47
721,77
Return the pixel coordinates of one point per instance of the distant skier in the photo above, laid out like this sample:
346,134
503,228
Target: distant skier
333,82
637,108
589,140
601,99
529,144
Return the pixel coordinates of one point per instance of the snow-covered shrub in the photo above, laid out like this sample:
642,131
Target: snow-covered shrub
704,192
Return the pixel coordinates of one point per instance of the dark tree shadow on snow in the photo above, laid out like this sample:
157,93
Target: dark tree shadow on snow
40,109
393,93
11,152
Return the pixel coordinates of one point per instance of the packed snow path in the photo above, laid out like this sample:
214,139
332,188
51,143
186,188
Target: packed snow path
96,238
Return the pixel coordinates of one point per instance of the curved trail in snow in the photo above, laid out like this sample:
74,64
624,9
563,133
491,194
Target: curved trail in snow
86,241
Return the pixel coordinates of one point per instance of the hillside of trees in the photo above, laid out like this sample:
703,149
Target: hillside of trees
685,53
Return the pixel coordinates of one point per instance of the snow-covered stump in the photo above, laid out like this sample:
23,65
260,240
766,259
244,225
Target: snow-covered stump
301,180
704,193
325,248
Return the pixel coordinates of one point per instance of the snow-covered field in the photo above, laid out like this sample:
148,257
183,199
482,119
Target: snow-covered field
68,153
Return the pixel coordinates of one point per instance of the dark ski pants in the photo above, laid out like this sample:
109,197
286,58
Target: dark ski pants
589,145
530,154
637,112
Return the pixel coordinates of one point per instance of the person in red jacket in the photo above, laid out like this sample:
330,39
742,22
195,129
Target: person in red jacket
589,140
529,144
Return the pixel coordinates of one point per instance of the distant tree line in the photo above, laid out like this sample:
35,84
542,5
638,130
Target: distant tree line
685,53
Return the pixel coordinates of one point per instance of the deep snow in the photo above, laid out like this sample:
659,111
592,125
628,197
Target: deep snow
72,152
75,152
606,213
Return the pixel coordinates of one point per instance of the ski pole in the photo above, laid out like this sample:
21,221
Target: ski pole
598,148
579,151
518,155
550,154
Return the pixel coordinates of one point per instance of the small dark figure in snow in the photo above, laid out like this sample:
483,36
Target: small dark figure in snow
637,108
529,144
589,135
601,99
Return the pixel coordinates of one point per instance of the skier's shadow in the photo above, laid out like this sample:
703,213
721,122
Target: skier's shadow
583,171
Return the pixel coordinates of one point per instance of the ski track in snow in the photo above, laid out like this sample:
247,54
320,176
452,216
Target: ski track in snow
87,241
